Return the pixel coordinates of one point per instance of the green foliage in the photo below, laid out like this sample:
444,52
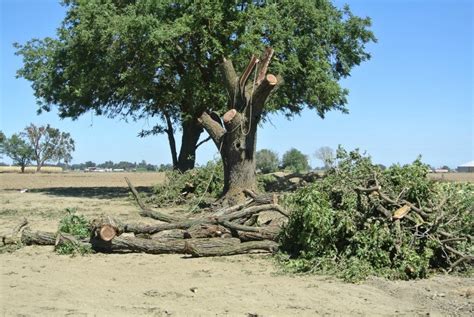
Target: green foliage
295,161
336,229
77,226
267,161
19,150
49,144
160,58
3,139
191,186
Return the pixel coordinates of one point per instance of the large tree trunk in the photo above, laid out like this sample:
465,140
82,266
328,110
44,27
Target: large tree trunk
238,157
187,155
236,140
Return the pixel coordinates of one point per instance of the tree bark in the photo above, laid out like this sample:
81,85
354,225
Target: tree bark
187,155
237,142
171,140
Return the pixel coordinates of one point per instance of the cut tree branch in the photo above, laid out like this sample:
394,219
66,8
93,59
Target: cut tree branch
230,78
213,128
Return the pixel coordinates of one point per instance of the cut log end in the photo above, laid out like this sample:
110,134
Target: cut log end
229,115
107,233
272,80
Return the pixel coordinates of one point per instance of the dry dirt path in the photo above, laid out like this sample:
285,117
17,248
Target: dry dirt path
34,281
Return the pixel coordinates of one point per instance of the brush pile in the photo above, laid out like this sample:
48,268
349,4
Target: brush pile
361,220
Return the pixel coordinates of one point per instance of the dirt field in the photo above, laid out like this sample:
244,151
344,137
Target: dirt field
452,177
35,281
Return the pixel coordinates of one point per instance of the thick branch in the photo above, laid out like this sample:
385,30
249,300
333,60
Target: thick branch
266,245
262,92
172,142
146,212
267,56
248,70
230,77
215,130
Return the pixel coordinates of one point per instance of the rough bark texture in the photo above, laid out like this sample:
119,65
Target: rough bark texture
237,143
187,155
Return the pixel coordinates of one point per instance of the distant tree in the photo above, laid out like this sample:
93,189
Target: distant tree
90,164
382,167
19,150
295,160
326,155
49,144
126,165
165,167
3,138
107,164
445,167
267,161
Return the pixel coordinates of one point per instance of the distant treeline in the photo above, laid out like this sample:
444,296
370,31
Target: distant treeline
143,165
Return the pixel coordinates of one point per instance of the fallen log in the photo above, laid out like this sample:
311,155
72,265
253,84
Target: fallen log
153,246
245,247
195,247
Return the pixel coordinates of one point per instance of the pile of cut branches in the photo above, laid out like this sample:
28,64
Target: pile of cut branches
361,220
224,231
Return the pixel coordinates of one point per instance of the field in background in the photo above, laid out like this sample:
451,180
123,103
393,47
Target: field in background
452,177
78,180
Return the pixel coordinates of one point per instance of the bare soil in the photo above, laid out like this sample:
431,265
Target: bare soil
34,281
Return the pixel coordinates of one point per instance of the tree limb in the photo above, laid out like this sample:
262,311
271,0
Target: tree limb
213,128
230,78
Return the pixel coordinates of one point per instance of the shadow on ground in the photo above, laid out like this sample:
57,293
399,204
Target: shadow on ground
91,192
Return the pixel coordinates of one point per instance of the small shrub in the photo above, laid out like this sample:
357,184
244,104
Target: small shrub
77,226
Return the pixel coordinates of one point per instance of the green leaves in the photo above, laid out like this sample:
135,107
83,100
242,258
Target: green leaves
18,149
76,225
267,161
138,58
337,228
295,161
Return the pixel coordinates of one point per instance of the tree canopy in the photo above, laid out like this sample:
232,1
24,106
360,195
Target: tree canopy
296,161
49,144
19,150
160,58
267,161
326,155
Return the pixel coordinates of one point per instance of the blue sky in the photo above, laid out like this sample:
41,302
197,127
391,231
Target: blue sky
415,96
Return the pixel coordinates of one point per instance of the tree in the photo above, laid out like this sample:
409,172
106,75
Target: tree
296,161
49,144
161,59
267,161
19,150
3,139
326,155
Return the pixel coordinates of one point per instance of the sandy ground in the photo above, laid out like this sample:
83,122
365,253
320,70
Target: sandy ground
34,281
